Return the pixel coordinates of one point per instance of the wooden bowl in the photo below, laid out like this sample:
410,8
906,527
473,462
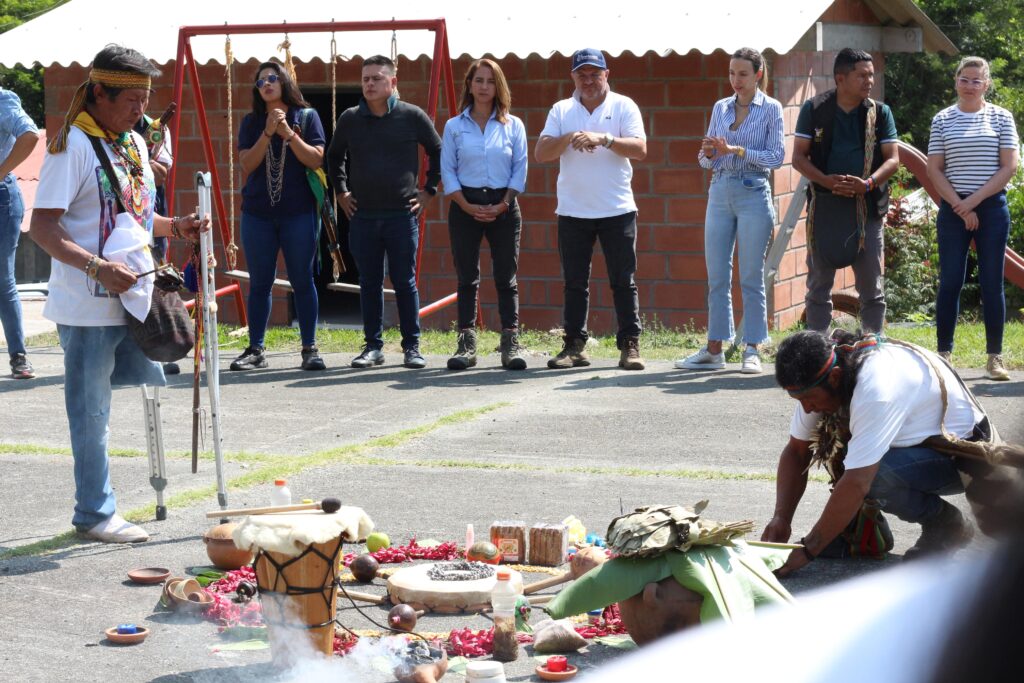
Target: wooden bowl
126,638
542,671
149,575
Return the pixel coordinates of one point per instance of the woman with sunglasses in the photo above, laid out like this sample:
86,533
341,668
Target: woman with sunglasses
483,167
277,142
744,143
973,153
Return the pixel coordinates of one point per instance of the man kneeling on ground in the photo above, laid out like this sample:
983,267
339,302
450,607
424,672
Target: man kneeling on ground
867,407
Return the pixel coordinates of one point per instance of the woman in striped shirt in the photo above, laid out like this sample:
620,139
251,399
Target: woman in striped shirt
972,154
744,142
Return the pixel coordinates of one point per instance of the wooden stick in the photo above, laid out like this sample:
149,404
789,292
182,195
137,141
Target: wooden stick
366,597
298,507
547,583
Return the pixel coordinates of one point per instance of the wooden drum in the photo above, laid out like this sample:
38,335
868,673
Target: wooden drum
296,565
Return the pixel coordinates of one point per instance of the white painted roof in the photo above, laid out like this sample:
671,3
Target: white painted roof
76,31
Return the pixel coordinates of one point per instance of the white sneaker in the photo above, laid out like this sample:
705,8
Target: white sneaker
751,362
117,530
702,360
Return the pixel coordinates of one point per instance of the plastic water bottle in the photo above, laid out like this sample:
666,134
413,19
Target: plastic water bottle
280,495
503,603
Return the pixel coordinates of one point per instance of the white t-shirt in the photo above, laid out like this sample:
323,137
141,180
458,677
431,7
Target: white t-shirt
74,181
595,185
970,143
896,403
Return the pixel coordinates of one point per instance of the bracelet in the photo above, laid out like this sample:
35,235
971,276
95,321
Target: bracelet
175,230
870,182
92,267
742,154
807,553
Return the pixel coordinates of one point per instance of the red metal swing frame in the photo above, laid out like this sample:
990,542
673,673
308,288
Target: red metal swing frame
440,67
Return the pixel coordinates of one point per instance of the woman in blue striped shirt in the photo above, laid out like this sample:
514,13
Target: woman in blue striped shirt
973,152
744,142
483,168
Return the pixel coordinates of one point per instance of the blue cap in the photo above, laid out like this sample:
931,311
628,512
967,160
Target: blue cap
588,56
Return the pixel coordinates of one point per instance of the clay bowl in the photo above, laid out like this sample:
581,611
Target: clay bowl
177,590
149,575
221,548
542,671
126,638
197,601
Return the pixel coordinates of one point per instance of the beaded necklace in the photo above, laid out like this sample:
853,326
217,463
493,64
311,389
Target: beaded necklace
124,148
275,171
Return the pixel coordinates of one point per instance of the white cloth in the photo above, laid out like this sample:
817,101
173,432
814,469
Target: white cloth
74,182
896,403
289,533
597,184
128,243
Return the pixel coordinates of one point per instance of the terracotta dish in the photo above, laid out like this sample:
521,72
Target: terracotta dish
148,575
126,638
543,672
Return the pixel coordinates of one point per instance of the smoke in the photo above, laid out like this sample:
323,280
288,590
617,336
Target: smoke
368,662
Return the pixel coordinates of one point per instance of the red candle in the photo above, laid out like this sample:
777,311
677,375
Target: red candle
557,663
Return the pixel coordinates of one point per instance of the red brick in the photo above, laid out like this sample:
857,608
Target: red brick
675,123
679,238
681,320
680,295
543,318
678,181
539,207
651,265
644,93
677,66
683,152
628,66
537,67
536,235
650,209
687,211
687,267
716,64
788,266
540,263
695,93
641,182
788,317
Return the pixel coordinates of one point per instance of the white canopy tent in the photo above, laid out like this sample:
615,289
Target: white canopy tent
76,31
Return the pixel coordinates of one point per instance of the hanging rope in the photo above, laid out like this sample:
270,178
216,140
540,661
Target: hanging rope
289,66
231,250
394,55
334,117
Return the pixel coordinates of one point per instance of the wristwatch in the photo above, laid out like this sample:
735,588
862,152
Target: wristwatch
608,140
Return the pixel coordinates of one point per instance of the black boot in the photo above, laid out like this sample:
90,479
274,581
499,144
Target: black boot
513,356
944,532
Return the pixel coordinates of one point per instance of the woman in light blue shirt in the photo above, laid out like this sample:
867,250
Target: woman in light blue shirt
483,168
744,142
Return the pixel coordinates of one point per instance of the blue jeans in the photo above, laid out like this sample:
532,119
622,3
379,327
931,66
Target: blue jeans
11,212
371,240
911,480
990,243
262,239
95,360
739,209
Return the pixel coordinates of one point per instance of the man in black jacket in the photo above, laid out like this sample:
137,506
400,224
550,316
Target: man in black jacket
845,145
380,139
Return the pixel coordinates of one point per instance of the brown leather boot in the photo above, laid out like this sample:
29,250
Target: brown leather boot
630,358
572,355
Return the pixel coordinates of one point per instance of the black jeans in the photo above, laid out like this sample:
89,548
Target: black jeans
576,248
466,235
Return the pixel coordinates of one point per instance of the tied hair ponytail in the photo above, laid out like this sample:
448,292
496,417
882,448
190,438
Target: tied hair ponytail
757,61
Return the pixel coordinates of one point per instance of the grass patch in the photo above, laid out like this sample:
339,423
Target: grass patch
657,343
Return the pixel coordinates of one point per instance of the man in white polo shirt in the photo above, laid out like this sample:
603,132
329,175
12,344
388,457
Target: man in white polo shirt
594,134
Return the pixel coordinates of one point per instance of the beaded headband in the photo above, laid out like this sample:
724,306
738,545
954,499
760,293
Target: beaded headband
120,79
110,78
818,379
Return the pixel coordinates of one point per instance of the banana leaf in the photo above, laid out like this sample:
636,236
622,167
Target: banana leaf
733,580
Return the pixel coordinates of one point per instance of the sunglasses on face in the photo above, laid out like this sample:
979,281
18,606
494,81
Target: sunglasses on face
272,78
973,82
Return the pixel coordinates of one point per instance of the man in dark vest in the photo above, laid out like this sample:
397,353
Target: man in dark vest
845,146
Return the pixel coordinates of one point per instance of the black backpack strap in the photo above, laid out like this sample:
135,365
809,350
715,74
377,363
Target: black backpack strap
109,169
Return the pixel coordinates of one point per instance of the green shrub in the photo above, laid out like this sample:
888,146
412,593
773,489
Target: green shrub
911,265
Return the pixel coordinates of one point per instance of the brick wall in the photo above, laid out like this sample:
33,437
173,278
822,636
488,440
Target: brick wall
675,94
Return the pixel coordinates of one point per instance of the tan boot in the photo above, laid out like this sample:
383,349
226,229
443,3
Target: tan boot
629,358
572,355
995,369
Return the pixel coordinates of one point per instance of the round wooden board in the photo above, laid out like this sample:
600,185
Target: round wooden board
411,585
